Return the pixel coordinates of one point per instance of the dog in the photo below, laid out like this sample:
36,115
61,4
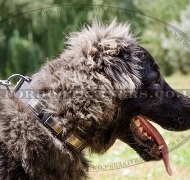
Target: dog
104,86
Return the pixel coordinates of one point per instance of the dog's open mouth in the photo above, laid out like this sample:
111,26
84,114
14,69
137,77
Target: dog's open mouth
148,136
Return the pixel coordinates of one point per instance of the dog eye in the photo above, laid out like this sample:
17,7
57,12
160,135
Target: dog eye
156,82
156,85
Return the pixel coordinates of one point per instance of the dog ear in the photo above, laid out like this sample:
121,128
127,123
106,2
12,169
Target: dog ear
100,49
110,62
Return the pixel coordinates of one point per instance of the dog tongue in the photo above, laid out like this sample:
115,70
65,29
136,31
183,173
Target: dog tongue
160,140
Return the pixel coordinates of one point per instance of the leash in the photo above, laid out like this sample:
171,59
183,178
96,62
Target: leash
38,107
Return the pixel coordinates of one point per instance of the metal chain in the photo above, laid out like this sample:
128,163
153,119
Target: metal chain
7,82
4,83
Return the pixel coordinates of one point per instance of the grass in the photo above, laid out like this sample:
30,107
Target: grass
120,152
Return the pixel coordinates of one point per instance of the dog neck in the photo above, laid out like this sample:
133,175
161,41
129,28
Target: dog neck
30,98
87,103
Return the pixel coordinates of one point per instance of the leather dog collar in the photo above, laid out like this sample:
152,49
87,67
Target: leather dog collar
38,107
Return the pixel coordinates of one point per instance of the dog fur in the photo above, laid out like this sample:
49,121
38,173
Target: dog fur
89,87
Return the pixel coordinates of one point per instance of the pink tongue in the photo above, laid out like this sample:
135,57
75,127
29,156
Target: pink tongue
160,140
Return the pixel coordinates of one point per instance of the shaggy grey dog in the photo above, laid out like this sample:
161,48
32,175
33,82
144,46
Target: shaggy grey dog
91,85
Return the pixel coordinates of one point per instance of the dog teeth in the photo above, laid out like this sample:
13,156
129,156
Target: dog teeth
149,137
137,123
141,129
145,134
160,147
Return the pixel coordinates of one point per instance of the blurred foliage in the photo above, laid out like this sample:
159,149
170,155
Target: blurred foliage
178,46
169,47
33,31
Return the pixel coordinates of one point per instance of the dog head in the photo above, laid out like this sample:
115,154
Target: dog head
134,91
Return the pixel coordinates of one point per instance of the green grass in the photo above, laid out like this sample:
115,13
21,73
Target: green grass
120,152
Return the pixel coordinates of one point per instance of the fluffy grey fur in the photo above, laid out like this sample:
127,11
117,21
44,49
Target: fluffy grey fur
86,83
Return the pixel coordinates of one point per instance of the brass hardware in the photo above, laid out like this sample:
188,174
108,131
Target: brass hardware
75,142
56,126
